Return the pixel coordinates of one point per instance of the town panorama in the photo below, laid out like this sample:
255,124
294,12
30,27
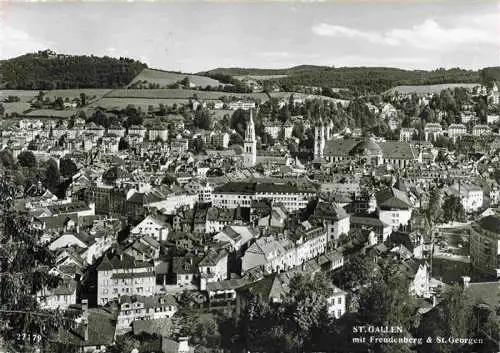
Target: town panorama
306,209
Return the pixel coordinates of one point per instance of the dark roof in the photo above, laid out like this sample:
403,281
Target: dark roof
122,261
101,330
392,198
490,223
484,292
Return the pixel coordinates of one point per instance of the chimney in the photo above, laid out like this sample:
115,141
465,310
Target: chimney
465,281
85,321
434,300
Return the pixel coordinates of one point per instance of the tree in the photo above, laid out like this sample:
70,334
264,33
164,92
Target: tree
52,174
83,99
67,167
434,210
453,210
236,139
355,272
2,110
123,144
7,159
202,119
238,121
27,159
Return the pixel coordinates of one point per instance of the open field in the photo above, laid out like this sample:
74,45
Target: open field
52,113
260,77
16,107
143,103
428,88
27,96
24,96
164,78
180,94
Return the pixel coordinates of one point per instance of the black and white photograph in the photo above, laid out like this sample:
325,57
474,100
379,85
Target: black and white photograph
259,176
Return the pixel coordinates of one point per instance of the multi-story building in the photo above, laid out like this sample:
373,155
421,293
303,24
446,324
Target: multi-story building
220,139
393,207
213,267
480,130
485,246
121,274
272,254
432,131
241,105
116,130
456,130
336,303
138,307
137,130
233,194
406,134
470,195
158,132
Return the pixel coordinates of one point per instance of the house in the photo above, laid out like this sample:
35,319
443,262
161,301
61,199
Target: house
393,207
241,105
185,270
470,195
213,267
158,132
381,229
406,134
137,307
456,130
481,130
60,297
432,131
273,254
144,248
154,226
121,274
94,332
176,346
336,302
334,219
237,236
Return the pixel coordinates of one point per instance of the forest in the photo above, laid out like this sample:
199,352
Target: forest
364,80
47,70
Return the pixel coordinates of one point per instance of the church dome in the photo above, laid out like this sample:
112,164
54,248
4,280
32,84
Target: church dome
367,146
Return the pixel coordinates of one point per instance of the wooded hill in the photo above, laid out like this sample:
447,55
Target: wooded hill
361,80
47,70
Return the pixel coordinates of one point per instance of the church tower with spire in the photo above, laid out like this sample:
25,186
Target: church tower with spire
250,145
319,139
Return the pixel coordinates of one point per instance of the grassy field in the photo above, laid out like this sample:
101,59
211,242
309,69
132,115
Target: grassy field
180,94
164,78
143,103
27,96
52,113
428,88
24,96
260,77
17,107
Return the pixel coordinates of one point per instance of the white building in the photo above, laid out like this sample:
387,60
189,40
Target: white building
241,105
336,303
122,275
432,131
470,195
481,130
234,194
158,132
133,308
456,130
152,226
406,134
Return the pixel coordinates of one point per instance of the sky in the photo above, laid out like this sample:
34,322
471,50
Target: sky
194,36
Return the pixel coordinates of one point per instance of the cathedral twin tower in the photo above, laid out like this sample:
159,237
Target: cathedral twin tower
322,133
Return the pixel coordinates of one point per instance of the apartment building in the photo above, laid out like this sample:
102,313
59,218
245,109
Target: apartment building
121,274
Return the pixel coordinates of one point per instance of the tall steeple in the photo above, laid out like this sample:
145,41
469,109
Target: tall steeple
319,139
250,144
